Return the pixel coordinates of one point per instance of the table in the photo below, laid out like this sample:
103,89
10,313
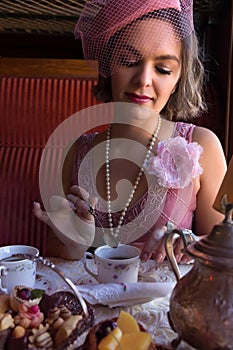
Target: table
152,315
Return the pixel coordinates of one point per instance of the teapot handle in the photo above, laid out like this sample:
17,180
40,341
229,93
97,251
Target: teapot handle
187,237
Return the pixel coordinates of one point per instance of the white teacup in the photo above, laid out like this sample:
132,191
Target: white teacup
115,265
17,271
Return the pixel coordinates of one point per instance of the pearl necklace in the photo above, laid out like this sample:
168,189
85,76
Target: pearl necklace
108,186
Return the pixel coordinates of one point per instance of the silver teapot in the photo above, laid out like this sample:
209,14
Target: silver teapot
201,304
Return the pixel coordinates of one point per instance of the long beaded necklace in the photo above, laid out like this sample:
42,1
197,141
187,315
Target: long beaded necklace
113,234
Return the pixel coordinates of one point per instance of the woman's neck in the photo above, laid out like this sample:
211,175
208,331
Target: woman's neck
127,116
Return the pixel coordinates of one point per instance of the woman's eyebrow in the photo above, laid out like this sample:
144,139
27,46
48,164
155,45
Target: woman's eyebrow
132,49
137,53
167,57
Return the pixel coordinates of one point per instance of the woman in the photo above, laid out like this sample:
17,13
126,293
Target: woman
149,68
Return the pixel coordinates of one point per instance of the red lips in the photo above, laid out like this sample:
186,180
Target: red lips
136,98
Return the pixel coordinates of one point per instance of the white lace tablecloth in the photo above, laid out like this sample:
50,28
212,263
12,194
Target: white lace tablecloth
152,315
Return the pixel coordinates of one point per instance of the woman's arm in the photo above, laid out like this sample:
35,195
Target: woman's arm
70,233
214,168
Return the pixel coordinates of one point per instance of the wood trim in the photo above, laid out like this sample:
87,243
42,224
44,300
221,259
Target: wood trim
229,107
46,67
226,188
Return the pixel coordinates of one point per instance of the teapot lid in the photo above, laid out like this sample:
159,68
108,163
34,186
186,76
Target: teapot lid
218,244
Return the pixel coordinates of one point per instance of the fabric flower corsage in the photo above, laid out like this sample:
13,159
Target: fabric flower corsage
176,163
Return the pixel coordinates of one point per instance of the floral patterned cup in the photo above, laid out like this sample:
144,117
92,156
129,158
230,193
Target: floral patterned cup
16,271
115,265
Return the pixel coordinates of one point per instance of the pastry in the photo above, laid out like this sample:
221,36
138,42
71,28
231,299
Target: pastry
22,294
53,324
6,321
123,333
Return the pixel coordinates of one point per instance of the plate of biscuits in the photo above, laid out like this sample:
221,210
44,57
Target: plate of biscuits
32,319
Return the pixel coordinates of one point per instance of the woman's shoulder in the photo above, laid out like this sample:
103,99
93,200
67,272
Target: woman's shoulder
205,136
213,150
194,133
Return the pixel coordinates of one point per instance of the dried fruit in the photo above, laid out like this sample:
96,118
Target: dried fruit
24,294
111,341
105,329
29,294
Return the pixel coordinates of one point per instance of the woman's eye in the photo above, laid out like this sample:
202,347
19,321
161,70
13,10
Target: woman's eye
163,70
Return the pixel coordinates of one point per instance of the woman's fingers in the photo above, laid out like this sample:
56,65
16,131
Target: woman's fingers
59,203
160,253
78,203
179,251
78,199
39,213
82,202
81,207
155,245
93,201
65,224
80,192
178,246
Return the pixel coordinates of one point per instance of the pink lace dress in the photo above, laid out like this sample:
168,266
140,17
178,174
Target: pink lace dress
158,205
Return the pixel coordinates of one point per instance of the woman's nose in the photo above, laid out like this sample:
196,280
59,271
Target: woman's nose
143,76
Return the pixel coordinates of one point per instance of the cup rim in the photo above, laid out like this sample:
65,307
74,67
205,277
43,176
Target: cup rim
112,259
21,260
17,245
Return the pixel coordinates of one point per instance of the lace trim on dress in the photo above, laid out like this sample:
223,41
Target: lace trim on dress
154,208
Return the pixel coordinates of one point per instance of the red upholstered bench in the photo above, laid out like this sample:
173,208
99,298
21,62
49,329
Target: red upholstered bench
36,95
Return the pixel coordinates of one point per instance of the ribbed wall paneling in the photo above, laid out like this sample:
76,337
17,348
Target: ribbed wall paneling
30,110
33,107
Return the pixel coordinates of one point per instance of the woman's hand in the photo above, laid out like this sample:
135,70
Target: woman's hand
70,220
80,200
154,247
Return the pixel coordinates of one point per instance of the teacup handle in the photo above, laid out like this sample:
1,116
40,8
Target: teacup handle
187,237
91,256
3,272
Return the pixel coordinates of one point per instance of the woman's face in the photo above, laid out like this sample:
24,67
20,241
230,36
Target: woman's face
149,64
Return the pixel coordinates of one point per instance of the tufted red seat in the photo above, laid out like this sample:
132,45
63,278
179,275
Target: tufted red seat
31,107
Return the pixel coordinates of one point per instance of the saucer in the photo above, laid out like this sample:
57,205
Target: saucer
49,281
46,283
